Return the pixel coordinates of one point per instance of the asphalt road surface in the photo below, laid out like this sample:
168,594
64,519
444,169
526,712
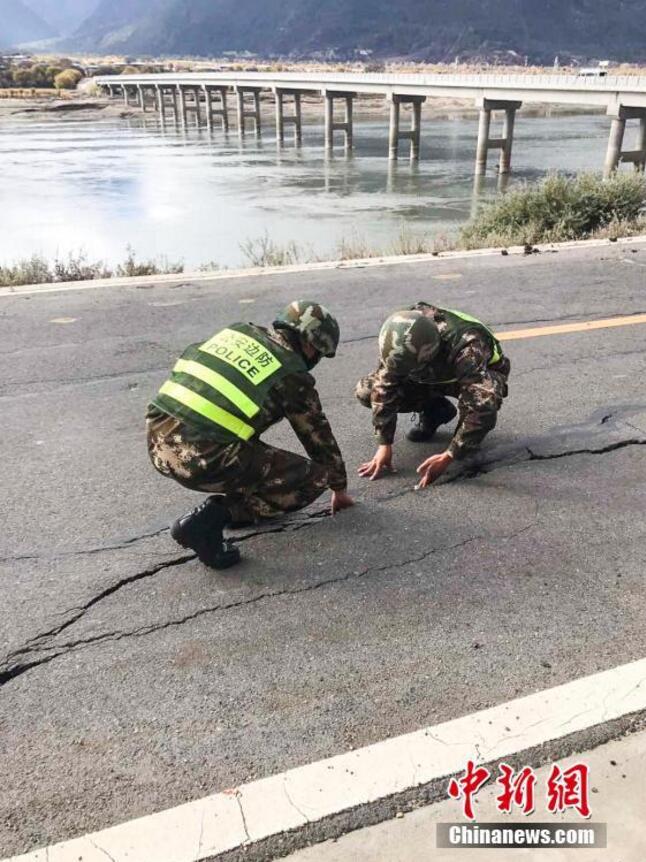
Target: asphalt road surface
133,679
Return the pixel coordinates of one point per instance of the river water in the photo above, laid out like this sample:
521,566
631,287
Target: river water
101,185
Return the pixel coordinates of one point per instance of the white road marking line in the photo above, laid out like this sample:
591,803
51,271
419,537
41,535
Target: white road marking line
219,275
289,800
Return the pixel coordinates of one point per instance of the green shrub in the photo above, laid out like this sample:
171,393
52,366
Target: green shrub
557,209
22,77
68,79
77,268
36,75
263,251
131,266
33,270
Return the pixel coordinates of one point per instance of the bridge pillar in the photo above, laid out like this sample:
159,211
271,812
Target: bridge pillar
197,107
414,134
163,102
141,100
245,111
615,153
182,106
208,107
507,140
172,92
641,145
213,111
332,125
486,142
282,119
160,103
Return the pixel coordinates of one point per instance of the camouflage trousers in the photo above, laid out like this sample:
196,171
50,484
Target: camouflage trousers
478,405
413,397
256,481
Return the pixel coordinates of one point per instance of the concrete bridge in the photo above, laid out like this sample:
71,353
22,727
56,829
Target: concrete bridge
205,95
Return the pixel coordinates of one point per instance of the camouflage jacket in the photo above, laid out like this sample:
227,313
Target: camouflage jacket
296,399
462,372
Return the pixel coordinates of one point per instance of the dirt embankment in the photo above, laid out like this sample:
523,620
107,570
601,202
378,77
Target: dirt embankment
367,107
86,108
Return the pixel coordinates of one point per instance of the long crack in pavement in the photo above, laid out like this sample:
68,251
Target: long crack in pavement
39,650
33,645
36,645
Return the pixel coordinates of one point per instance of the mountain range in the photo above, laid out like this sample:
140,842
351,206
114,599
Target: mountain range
25,21
65,16
19,23
425,29
420,29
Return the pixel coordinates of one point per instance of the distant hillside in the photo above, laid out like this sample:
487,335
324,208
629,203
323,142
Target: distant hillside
64,16
425,29
19,23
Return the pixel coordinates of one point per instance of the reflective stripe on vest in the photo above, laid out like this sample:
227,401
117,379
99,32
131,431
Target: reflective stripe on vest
219,383
207,409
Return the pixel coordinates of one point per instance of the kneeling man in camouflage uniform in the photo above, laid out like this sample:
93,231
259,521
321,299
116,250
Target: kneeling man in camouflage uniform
204,427
426,354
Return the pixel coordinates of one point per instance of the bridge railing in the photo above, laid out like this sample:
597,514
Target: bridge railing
385,79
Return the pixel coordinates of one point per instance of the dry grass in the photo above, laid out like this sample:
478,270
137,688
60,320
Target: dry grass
76,267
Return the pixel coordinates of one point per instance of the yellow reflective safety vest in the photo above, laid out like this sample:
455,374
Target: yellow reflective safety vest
458,324
220,386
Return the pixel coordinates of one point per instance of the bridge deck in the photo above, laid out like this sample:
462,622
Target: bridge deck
609,91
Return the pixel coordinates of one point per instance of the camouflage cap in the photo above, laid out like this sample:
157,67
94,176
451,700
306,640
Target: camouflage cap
313,322
408,339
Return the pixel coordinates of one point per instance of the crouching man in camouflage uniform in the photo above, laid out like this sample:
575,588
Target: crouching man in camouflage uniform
204,427
426,354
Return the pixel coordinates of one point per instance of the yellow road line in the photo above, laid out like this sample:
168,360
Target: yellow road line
560,328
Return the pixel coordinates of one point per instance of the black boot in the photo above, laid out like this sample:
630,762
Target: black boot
437,412
202,530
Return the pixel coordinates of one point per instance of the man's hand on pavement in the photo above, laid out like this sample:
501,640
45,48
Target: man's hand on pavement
380,464
341,500
432,468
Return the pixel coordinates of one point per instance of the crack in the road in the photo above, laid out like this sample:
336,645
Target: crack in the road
472,471
39,643
118,546
200,837
289,526
603,450
242,815
35,645
27,657
292,525
101,850
292,803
